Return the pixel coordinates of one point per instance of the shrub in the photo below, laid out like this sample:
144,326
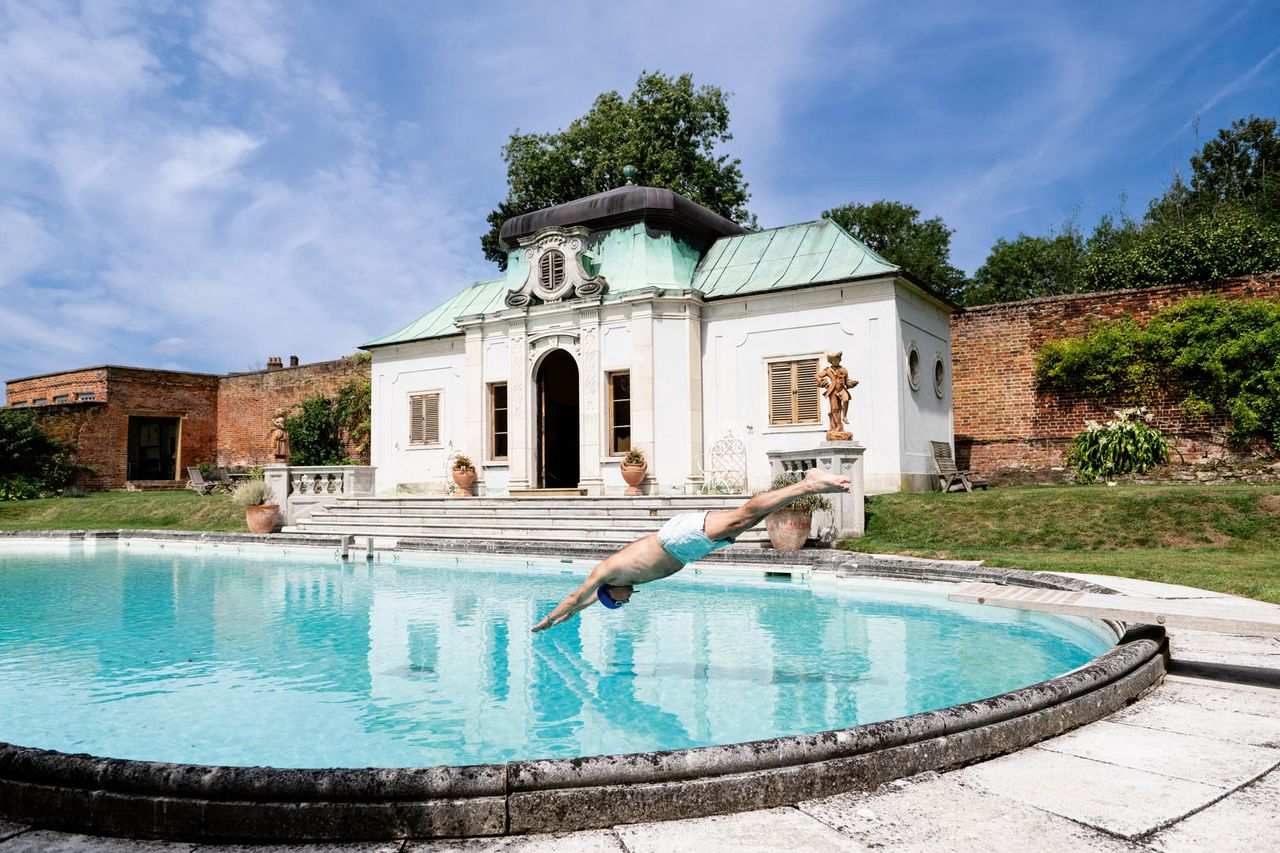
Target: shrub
1208,353
463,462
634,457
1128,444
252,493
805,503
33,464
315,433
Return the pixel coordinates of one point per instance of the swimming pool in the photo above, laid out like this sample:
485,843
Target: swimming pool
178,653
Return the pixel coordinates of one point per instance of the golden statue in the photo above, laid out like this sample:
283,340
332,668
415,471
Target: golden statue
279,436
835,384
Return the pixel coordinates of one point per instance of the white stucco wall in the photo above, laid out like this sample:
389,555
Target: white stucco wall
414,368
741,336
926,414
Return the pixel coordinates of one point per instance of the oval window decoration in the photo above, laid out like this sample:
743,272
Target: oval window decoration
939,377
913,366
551,269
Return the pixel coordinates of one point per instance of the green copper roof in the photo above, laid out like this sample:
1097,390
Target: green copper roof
480,298
791,256
630,259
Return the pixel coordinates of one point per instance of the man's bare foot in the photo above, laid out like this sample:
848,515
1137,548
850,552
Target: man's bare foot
827,482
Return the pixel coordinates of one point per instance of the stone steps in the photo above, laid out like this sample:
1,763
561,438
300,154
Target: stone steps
610,520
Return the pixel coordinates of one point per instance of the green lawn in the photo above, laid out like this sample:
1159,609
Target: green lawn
119,510
1224,538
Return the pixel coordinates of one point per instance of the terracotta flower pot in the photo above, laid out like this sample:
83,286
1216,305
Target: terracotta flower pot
262,518
633,474
788,529
464,478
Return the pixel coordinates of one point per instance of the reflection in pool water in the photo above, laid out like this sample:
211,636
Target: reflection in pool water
192,655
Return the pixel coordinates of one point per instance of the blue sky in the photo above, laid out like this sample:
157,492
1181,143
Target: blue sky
200,186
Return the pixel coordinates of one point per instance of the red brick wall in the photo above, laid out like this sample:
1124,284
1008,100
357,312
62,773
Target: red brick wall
1002,421
100,429
248,401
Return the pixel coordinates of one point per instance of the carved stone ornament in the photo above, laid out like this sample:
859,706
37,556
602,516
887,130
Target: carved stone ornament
554,256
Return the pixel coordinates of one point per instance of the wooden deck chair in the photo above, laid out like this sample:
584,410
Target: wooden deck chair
198,483
949,476
223,474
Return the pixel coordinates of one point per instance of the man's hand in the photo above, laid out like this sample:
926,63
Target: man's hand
563,612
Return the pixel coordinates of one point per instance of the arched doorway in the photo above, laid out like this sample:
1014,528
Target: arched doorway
558,451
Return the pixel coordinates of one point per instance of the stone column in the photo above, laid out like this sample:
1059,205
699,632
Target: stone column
277,477
845,458
591,401
473,440
642,392
521,407
693,343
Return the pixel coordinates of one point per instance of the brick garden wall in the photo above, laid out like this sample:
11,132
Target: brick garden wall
1003,422
100,429
248,401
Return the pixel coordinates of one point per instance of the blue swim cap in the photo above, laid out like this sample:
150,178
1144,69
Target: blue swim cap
606,599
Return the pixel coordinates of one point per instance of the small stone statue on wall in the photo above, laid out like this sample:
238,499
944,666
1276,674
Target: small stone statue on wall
835,384
279,437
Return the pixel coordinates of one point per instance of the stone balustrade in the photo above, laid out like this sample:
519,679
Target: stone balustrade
299,488
847,521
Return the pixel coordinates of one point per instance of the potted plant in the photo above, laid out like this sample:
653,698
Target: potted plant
789,527
633,469
259,513
464,475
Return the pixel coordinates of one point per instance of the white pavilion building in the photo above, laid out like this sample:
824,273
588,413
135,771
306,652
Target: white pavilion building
636,318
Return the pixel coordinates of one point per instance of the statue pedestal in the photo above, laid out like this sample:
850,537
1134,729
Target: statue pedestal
842,458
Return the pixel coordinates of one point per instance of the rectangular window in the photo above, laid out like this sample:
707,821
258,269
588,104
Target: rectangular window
62,398
39,401
85,396
498,420
18,404
793,392
424,418
619,412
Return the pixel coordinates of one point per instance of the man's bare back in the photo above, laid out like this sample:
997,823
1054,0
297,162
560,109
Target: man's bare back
648,560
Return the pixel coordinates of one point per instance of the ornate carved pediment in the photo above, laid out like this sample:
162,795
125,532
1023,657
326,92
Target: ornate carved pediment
554,256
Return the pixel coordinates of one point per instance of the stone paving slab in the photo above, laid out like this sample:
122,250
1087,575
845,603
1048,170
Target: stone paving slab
304,847
937,813
9,829
1239,716
1119,800
1136,586
44,841
764,831
1180,756
593,841
1225,648
1247,821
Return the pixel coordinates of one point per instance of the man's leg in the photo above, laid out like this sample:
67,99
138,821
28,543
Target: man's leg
729,524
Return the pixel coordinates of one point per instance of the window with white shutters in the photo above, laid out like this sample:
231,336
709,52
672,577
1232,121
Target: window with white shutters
793,392
424,418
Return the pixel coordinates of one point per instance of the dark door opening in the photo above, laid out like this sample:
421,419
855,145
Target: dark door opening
153,448
558,449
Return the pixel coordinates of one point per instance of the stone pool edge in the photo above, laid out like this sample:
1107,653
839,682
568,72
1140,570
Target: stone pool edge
160,800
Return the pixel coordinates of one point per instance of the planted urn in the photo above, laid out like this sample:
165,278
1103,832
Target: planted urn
633,468
464,475
789,527
261,513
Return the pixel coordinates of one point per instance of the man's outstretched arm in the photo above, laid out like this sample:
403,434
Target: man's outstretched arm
580,599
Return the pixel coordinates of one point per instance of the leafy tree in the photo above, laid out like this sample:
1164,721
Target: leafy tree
1210,247
667,128
315,433
33,463
1028,267
896,232
1241,165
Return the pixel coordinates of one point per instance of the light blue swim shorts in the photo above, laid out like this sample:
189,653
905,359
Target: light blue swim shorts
685,538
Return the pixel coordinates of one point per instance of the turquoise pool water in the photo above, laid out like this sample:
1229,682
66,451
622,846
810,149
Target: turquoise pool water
296,660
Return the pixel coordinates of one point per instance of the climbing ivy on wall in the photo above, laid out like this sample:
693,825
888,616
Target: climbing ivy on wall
1213,355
